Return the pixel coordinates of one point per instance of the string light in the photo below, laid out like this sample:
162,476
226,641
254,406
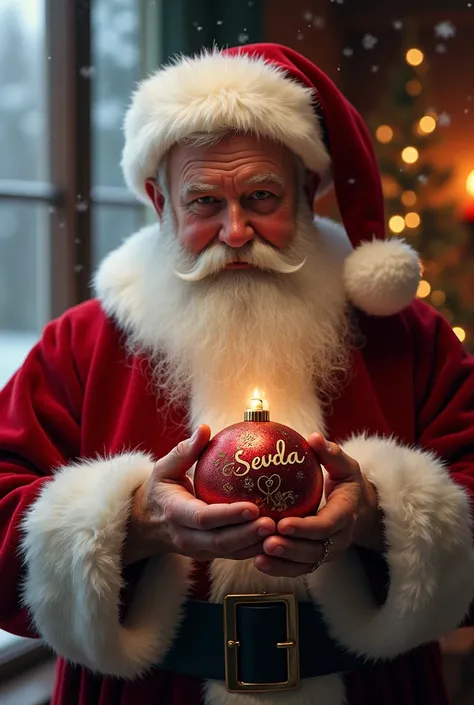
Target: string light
438,298
396,224
408,198
413,87
384,133
460,332
470,183
449,315
410,155
414,57
412,220
427,124
423,290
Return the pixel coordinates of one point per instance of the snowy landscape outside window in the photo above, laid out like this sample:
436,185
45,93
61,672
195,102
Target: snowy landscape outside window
117,66
23,158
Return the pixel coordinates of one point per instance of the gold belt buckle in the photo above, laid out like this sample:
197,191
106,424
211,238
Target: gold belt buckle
231,643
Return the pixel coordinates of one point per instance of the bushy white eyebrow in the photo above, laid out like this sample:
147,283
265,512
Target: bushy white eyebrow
202,187
196,187
267,177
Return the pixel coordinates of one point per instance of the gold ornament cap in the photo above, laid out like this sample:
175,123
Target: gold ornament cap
256,412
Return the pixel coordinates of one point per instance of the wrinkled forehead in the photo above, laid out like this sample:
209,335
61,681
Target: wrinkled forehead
246,157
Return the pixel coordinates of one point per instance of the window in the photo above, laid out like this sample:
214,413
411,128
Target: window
23,168
117,66
63,204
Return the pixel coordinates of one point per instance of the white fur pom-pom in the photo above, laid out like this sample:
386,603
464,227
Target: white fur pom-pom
381,277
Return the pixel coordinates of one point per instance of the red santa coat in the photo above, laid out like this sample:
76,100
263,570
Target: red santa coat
79,403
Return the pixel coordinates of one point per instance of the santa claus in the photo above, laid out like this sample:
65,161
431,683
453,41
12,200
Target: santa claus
105,552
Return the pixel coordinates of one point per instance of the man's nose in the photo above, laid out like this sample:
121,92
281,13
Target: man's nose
236,230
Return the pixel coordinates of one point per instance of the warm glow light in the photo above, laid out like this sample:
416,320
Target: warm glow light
470,183
384,133
408,198
414,57
460,332
412,220
423,289
427,124
256,403
396,224
413,87
410,155
438,298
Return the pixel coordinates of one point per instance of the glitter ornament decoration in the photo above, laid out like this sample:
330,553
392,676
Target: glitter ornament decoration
260,461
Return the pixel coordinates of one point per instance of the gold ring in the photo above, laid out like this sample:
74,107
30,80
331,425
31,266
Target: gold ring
327,544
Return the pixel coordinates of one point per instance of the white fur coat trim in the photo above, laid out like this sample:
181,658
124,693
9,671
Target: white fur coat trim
72,543
429,553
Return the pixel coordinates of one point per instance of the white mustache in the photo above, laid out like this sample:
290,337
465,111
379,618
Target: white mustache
257,254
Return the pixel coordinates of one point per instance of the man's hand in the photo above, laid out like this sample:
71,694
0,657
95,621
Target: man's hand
351,515
167,517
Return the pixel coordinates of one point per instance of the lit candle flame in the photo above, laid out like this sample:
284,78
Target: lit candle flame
256,402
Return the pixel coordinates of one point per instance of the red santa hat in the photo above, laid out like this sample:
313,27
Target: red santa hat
272,91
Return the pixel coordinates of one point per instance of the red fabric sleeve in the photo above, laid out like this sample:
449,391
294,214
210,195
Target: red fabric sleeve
40,412
444,381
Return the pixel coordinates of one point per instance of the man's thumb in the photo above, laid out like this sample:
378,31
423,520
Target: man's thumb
339,466
182,457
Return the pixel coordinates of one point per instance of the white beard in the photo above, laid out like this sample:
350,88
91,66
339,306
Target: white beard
213,341
217,339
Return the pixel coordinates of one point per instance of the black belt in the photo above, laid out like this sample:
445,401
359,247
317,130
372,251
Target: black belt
256,642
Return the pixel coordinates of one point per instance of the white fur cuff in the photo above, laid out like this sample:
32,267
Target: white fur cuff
429,553
72,545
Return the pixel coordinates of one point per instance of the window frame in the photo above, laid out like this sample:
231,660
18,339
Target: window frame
68,42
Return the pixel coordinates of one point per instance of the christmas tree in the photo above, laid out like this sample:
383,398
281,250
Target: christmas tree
418,205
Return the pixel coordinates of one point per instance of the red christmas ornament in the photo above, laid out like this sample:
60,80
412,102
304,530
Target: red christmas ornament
263,462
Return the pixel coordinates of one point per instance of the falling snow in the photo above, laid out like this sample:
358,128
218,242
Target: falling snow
369,41
397,24
300,36
219,22
242,38
348,51
87,71
338,2
441,48
444,120
308,16
445,30
319,22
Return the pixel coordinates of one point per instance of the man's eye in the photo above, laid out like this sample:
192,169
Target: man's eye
206,200
261,195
